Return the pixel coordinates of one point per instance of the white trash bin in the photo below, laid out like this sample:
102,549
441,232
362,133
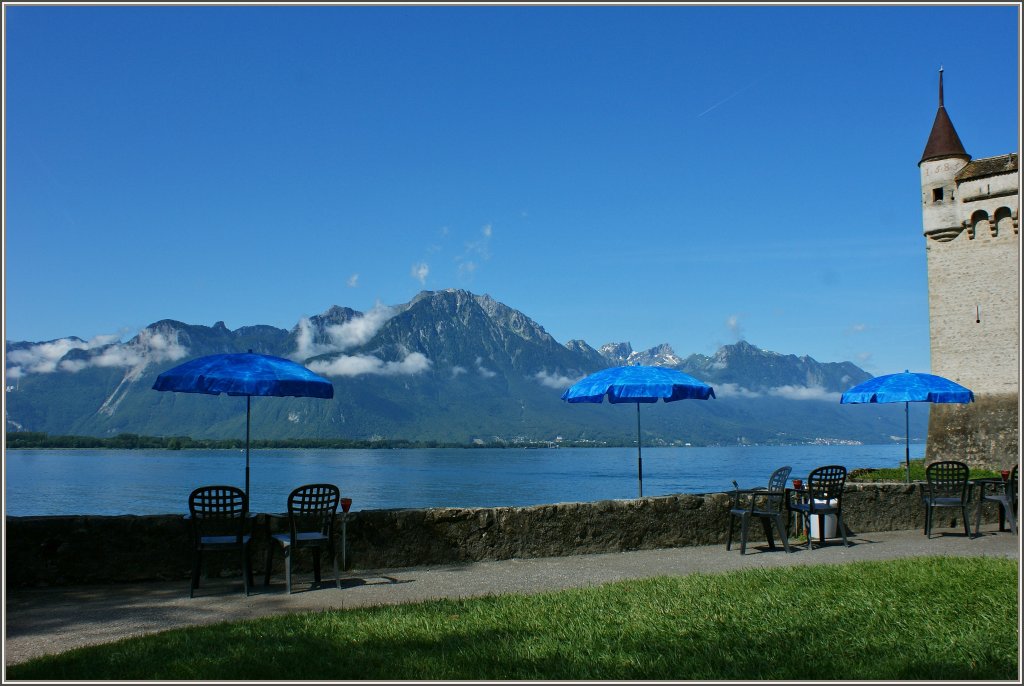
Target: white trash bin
830,521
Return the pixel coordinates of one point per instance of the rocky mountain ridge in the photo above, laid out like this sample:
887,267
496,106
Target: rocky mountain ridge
448,365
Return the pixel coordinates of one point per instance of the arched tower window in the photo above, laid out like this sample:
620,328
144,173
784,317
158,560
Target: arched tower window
1003,224
979,227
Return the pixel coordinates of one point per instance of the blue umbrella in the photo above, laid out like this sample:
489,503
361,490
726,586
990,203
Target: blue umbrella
908,387
637,384
245,374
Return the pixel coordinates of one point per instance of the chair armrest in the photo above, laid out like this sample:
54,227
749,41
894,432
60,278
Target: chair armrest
750,493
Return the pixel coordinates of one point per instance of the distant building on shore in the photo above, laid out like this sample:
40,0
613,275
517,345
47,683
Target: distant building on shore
970,210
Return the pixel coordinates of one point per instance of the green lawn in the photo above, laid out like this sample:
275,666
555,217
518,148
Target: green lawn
924,618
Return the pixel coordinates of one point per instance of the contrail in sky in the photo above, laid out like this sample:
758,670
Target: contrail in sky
722,102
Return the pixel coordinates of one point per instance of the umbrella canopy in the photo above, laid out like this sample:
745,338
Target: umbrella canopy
245,374
908,387
637,384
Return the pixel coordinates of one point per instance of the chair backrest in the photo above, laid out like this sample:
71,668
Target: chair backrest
947,479
218,511
826,483
778,479
777,488
312,508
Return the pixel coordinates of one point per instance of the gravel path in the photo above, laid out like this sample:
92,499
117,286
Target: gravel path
44,621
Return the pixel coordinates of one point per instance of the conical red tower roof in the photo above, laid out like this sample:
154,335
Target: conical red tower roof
943,141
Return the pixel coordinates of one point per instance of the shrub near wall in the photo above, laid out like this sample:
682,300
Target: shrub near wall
60,551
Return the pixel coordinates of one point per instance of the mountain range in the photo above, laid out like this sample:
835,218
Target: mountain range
447,366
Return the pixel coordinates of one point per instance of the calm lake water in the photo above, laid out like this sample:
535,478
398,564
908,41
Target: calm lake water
113,482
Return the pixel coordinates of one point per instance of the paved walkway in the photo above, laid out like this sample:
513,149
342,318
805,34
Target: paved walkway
43,621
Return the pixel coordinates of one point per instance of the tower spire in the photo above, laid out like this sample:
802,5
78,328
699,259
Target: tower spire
943,141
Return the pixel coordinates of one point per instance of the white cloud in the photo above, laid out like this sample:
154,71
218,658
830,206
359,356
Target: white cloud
43,357
467,269
73,366
304,340
457,370
857,328
731,390
474,253
356,365
553,380
161,348
420,271
118,357
353,281
805,393
732,322
46,358
359,330
355,331
484,371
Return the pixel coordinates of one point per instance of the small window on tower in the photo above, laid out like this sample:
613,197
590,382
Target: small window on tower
936,195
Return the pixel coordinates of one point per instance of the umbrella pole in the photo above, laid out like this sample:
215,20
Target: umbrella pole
639,455
906,415
248,405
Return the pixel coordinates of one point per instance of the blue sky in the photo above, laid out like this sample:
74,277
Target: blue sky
661,174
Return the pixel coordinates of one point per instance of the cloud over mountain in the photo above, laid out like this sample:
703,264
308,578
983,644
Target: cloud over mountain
147,347
341,337
355,365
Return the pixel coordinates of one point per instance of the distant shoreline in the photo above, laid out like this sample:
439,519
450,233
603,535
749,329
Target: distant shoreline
23,440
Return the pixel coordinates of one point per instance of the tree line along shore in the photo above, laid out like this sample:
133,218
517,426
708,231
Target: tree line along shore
128,441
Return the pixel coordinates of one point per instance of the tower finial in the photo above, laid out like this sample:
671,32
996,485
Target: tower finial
940,86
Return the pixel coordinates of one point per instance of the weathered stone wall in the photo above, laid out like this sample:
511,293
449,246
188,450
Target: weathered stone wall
973,297
43,551
972,246
985,433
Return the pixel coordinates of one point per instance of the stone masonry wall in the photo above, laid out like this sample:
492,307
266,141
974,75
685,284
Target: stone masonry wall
985,433
973,308
973,305
59,551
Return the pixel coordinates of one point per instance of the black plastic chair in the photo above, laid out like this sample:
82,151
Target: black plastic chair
217,518
945,486
311,514
767,504
1005,494
822,495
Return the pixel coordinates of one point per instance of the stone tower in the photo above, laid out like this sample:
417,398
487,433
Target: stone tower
970,210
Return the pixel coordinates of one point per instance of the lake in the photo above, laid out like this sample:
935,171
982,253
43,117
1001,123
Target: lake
114,482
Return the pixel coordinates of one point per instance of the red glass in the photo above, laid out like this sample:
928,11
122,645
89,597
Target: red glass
346,503
1005,474
798,484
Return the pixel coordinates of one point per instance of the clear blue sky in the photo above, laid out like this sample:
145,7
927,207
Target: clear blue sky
669,174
